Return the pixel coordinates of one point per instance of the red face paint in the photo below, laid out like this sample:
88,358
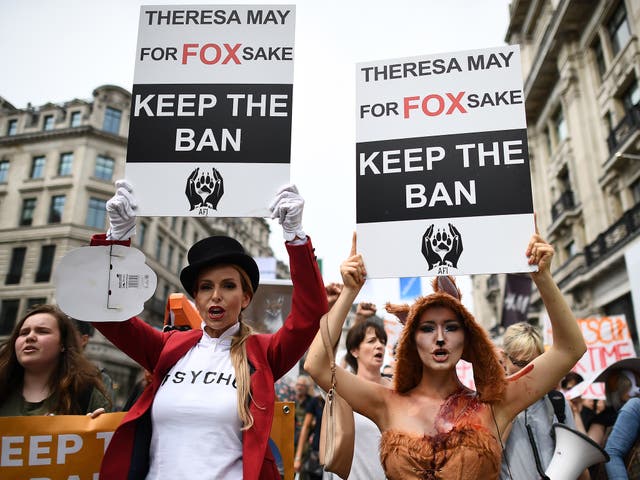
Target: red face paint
520,374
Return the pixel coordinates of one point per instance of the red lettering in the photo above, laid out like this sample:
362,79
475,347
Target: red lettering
186,51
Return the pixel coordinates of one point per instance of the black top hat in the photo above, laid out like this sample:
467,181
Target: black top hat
215,251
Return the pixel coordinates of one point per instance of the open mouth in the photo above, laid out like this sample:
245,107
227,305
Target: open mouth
216,313
441,354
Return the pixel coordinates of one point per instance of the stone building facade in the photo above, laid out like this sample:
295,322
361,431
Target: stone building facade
58,163
581,64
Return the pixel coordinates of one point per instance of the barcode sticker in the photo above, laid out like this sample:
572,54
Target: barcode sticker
126,280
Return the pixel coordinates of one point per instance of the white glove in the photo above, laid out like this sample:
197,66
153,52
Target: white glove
287,208
121,209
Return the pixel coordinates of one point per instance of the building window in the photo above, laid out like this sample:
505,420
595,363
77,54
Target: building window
12,127
66,164
184,227
599,56
560,125
571,249
57,208
4,171
33,302
48,122
159,242
76,119
37,167
142,233
15,266
618,28
165,292
112,120
635,191
46,262
8,315
170,251
104,168
96,213
180,261
28,207
631,96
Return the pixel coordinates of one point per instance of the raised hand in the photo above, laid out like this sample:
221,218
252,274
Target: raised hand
121,209
192,195
287,207
365,310
352,269
453,255
540,253
217,191
432,258
333,292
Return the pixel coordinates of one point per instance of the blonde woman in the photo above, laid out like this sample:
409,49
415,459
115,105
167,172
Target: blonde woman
207,413
526,455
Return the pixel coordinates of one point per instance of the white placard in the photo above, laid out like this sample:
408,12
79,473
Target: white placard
442,166
104,283
210,123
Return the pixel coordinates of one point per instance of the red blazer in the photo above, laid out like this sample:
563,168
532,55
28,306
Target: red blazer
270,357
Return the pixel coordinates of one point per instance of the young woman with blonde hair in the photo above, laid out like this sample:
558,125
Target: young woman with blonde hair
208,411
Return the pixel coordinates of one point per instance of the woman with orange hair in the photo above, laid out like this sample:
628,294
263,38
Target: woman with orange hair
432,426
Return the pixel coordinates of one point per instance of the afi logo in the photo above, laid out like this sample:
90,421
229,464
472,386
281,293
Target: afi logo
442,248
204,189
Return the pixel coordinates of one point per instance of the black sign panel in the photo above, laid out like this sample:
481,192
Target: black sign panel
465,175
234,123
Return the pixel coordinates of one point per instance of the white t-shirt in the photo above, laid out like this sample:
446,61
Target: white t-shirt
196,427
366,452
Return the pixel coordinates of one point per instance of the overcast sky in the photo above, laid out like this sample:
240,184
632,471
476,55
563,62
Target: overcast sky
54,51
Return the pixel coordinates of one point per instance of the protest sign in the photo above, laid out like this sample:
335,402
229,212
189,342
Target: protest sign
270,306
210,123
608,340
442,166
59,447
517,294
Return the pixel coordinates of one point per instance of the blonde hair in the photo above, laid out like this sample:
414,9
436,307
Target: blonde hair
243,379
522,341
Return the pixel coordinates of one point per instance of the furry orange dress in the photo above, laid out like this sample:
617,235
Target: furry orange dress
463,449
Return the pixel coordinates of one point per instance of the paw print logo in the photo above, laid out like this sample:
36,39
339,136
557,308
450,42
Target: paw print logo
204,189
441,241
442,247
204,185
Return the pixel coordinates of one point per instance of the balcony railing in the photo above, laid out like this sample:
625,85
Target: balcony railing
629,124
564,203
615,236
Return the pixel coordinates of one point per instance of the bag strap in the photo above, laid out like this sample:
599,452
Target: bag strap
326,340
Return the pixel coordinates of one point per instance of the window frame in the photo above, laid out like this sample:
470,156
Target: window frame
48,123
96,212
36,167
45,264
16,266
62,163
112,120
102,165
53,208
23,218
